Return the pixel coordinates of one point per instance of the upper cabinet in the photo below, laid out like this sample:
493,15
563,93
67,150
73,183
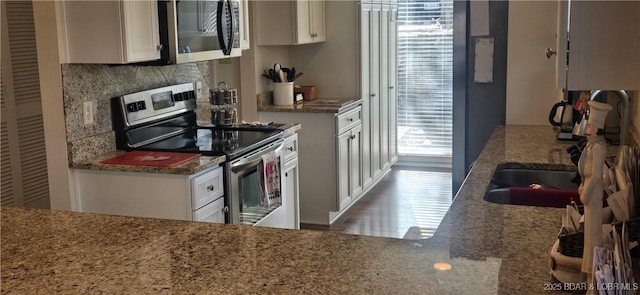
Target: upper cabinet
244,24
601,41
163,32
111,31
290,22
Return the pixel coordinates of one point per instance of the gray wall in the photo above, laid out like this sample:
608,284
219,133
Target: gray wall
477,107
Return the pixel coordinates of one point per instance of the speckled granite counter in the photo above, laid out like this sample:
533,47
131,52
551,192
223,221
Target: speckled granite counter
492,248
190,167
321,105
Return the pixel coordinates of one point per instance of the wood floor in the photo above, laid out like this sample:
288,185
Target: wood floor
408,203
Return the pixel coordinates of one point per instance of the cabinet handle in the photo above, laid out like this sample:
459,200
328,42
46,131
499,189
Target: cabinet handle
211,187
548,52
373,95
352,137
350,119
286,174
391,87
290,149
225,209
159,47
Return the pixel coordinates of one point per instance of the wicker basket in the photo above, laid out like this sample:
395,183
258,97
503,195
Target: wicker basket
573,244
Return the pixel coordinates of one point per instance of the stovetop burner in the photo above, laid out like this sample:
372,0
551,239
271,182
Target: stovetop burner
214,142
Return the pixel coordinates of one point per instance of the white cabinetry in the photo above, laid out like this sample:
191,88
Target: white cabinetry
290,22
197,197
112,32
349,167
244,24
602,43
291,182
378,77
330,168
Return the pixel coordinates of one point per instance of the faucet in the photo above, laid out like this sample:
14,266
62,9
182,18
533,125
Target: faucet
624,117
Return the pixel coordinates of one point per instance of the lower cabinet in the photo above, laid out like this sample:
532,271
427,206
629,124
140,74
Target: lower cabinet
197,197
330,162
349,166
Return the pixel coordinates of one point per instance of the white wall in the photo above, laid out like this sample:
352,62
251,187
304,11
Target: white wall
531,86
252,63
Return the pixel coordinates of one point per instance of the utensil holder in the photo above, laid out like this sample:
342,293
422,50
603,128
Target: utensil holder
283,93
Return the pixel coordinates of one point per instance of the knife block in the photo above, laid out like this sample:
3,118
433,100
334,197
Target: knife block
309,92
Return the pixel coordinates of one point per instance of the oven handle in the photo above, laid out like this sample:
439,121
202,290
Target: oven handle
256,159
238,168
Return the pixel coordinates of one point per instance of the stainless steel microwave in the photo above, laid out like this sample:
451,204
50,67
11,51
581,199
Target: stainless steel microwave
197,30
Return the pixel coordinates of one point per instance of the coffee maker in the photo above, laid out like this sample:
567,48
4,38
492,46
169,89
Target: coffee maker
565,114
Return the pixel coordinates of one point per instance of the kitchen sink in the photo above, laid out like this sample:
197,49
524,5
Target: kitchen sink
532,187
518,177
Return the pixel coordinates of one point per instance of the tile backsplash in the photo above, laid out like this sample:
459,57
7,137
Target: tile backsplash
99,83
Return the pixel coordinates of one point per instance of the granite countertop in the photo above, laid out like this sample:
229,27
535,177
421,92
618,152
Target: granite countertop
321,105
492,248
187,168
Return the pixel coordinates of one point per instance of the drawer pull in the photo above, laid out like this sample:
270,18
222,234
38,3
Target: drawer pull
350,119
211,187
286,174
290,149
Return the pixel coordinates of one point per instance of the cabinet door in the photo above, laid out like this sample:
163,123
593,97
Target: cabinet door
141,30
317,15
244,24
290,194
562,42
384,87
365,92
355,162
344,153
393,78
603,45
374,86
111,32
212,212
310,26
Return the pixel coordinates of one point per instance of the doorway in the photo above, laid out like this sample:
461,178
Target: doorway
425,80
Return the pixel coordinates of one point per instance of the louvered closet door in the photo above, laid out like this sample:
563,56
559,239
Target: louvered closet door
24,163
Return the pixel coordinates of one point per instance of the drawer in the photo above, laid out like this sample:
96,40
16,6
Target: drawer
349,119
206,188
290,147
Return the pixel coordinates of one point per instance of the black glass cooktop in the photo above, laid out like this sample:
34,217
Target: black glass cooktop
215,142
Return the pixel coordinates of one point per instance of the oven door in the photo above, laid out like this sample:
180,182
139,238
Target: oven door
255,186
199,30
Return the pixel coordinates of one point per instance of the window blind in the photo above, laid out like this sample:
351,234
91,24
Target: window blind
425,77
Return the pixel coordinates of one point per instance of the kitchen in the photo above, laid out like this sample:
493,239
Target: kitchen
463,247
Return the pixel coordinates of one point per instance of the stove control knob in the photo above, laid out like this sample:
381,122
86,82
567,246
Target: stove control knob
141,105
178,97
132,107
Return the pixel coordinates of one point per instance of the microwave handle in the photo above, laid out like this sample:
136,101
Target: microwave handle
225,46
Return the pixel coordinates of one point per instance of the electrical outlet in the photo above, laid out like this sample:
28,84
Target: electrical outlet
87,112
198,89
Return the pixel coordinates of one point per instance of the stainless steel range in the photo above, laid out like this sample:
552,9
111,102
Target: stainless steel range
164,119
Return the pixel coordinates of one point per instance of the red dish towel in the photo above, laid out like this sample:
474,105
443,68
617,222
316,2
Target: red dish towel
542,197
